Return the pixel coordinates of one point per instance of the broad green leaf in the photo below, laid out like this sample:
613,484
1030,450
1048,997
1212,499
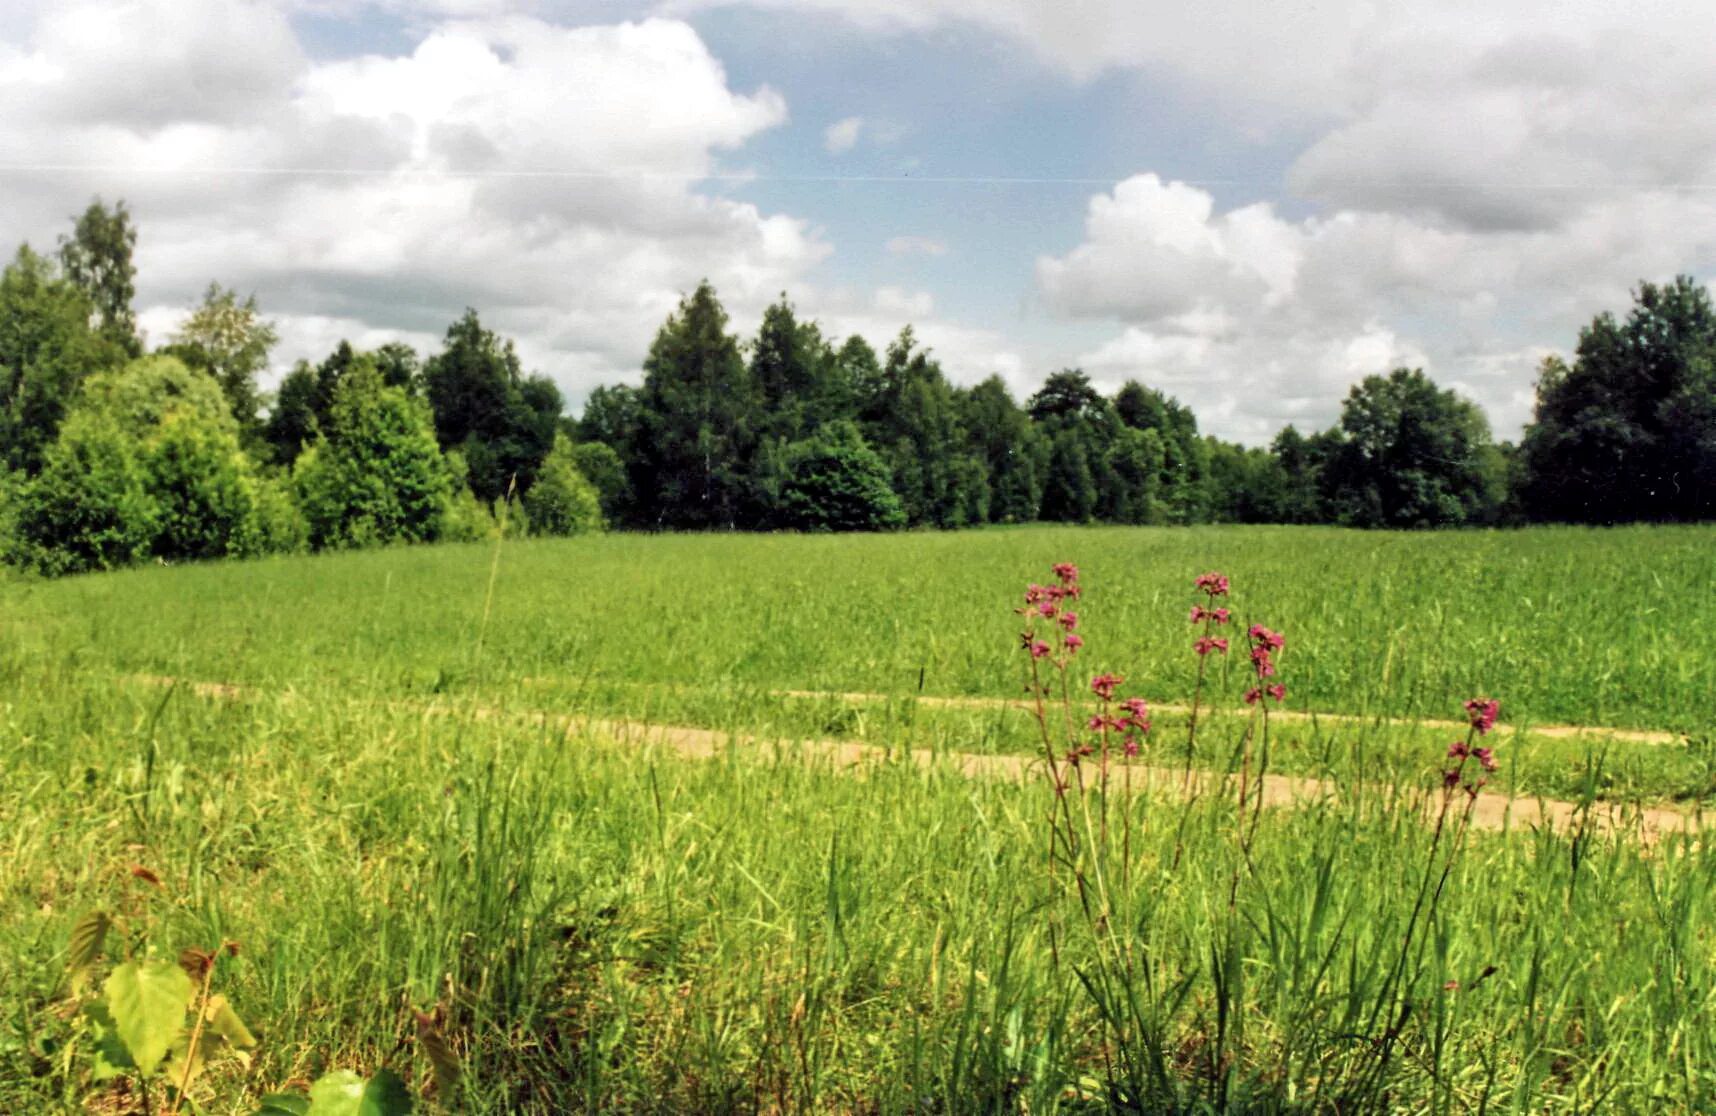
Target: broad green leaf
284,1104
148,1002
108,1056
344,1093
87,937
208,1046
223,1021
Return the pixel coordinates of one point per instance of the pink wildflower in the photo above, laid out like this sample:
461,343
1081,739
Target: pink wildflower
1213,584
1198,613
1207,644
1104,685
1131,745
1457,750
1481,714
1039,649
1048,609
1263,637
1069,620
1485,757
1252,695
1074,642
1277,691
1067,572
1261,662
1219,615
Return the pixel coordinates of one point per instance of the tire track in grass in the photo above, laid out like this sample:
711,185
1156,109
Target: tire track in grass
1493,811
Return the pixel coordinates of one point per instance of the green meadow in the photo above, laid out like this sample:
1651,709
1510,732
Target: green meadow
393,779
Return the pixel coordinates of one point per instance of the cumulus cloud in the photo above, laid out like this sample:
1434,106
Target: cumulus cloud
842,135
1258,320
546,175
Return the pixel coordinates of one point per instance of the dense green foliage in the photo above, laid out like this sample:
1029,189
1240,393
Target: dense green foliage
721,430
835,482
485,407
562,502
375,475
148,463
1628,430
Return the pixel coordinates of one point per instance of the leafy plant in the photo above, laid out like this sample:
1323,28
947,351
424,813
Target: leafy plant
343,1093
154,1022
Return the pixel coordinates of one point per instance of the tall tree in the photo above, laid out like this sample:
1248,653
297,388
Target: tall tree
295,415
696,419
611,416
1628,430
1412,456
1014,452
230,340
46,350
795,373
1087,477
502,421
1299,460
97,257
913,420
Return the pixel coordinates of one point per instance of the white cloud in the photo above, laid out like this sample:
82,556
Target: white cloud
916,246
545,175
1257,320
842,135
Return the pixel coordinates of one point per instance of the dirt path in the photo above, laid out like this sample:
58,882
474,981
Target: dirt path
860,697
1493,811
1630,736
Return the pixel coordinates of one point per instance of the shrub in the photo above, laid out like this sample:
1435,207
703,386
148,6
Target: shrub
562,502
603,468
90,507
147,463
836,482
376,475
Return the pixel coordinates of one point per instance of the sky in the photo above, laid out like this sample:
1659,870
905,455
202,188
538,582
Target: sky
1251,206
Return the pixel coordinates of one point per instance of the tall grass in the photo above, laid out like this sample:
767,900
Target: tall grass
609,926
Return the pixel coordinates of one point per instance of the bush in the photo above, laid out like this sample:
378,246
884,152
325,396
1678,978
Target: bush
203,487
603,468
562,502
276,526
836,482
376,476
90,507
148,462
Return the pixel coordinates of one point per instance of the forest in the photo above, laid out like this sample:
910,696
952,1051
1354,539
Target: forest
117,453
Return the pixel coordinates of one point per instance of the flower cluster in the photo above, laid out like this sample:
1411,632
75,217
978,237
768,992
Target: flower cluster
1481,715
1214,584
1459,749
1131,721
1264,642
1048,602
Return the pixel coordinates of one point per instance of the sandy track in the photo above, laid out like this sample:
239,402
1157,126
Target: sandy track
1292,716
1493,811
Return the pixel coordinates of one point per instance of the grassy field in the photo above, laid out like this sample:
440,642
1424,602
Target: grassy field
377,810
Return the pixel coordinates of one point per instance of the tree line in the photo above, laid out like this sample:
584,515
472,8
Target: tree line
114,455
